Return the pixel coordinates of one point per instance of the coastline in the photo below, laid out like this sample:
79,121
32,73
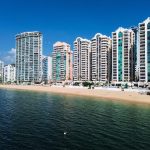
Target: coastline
116,95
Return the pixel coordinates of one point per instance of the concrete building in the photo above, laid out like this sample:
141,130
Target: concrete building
62,62
82,60
101,58
10,73
122,55
144,51
29,57
47,69
135,54
1,71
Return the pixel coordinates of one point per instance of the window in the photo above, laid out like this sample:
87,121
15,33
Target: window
120,34
148,25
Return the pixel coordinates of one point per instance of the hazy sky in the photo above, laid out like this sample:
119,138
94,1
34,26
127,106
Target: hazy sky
64,20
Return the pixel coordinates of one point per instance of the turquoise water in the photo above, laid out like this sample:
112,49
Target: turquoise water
37,121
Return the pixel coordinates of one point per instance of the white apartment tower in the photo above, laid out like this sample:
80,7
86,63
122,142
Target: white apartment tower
10,73
100,52
144,51
1,71
29,57
82,59
122,53
62,62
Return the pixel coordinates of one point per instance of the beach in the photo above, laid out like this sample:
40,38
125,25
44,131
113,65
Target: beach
107,94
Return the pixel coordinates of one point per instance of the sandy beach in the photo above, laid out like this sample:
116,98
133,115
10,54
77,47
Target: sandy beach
125,96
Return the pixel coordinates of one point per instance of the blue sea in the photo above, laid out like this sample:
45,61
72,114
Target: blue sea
45,121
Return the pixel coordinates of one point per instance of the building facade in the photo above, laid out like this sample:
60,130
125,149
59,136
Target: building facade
101,58
144,51
123,68
29,57
47,69
82,60
10,73
62,62
1,71
136,53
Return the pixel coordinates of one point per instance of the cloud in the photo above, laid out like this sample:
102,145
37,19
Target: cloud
10,56
12,51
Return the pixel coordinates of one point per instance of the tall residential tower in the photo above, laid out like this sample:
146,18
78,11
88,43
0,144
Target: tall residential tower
29,57
62,62
82,60
101,60
123,68
144,51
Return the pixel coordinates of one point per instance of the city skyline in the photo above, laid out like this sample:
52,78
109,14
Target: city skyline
124,58
63,26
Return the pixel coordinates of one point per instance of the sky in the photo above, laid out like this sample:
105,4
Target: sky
65,20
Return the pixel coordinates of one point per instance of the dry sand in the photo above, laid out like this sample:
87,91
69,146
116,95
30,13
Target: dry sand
124,96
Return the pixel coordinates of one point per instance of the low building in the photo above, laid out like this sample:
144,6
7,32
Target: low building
1,71
10,73
47,69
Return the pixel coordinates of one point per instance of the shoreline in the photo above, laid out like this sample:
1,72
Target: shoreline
122,96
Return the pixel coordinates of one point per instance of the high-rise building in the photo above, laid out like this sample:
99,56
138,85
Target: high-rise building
144,51
101,58
62,62
122,55
47,69
135,54
1,71
82,60
9,73
29,57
